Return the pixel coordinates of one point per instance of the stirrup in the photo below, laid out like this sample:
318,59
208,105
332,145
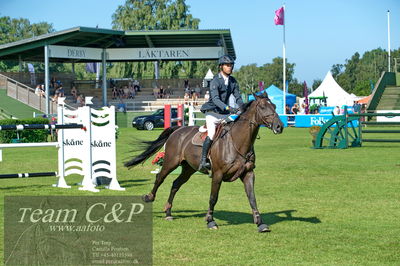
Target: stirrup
204,168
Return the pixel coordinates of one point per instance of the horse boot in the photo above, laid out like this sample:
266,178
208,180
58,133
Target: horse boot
205,166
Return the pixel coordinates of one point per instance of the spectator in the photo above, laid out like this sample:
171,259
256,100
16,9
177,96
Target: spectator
136,85
186,98
126,92
336,110
44,91
287,109
39,91
114,93
120,92
207,96
80,100
303,109
187,90
61,92
74,92
295,109
161,92
131,93
356,107
53,82
121,106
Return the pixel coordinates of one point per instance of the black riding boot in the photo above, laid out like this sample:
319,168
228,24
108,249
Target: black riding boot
205,166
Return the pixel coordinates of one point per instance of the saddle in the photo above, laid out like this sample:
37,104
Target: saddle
199,137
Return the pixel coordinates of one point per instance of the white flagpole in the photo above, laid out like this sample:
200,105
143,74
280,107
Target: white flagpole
388,18
284,61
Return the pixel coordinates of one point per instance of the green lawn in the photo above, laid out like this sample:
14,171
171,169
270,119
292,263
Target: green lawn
14,107
325,207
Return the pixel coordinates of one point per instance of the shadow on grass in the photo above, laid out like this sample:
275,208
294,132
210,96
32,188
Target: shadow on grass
235,218
133,182
24,187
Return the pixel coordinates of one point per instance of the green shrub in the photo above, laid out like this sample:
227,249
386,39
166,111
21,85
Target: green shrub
26,136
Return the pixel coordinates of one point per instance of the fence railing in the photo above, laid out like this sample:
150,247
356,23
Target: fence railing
26,95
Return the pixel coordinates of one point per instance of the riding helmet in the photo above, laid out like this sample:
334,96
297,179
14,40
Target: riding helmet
226,59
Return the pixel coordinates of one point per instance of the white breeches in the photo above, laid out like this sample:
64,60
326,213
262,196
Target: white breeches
212,119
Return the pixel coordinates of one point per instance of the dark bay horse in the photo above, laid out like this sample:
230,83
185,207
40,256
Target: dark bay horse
232,156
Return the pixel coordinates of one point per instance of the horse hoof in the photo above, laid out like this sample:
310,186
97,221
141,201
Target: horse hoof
212,225
146,198
169,218
263,228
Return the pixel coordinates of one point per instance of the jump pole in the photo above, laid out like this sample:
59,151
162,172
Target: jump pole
23,175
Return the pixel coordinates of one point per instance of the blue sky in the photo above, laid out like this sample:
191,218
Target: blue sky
319,33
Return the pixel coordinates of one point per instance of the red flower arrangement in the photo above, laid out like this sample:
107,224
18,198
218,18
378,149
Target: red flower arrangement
159,158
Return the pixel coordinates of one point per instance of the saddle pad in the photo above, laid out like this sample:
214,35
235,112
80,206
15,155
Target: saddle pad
199,138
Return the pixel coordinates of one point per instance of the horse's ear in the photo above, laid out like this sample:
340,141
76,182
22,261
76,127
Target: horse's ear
255,96
265,94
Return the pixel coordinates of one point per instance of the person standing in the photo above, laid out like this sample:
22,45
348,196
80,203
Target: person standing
224,99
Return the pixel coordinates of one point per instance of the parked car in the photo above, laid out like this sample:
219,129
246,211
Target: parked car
154,120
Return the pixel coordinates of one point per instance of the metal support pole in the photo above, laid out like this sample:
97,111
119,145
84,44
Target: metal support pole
46,78
104,57
19,63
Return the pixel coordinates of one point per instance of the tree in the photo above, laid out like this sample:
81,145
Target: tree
157,15
359,72
271,73
12,29
248,77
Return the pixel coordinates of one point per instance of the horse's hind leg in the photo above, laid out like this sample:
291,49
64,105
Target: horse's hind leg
169,165
187,172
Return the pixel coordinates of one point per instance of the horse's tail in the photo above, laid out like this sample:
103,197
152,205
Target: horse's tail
151,147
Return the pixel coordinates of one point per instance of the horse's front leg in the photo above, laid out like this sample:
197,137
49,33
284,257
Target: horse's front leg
248,181
215,186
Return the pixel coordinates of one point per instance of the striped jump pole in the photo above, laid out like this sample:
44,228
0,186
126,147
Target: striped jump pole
39,126
24,175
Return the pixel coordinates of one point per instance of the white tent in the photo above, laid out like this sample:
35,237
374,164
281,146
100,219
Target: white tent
336,96
209,75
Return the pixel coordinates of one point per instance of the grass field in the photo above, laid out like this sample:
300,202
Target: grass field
330,207
14,107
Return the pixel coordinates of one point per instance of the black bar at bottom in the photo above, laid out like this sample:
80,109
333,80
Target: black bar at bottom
22,175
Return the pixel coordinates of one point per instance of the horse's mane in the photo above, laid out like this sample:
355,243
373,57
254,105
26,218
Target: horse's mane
246,106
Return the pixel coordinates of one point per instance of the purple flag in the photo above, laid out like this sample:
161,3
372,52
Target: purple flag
261,85
305,94
91,67
279,18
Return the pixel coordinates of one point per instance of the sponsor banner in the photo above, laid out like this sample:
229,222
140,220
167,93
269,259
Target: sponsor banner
139,54
58,51
77,230
172,53
315,120
388,118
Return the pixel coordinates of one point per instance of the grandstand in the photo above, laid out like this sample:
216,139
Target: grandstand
145,100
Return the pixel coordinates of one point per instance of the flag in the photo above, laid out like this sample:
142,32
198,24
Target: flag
305,94
91,67
261,85
31,68
279,18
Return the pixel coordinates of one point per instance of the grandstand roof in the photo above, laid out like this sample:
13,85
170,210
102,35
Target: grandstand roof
32,49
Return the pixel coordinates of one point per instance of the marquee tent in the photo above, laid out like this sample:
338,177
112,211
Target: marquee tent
336,96
276,96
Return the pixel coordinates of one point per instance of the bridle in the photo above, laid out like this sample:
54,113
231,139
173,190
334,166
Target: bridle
252,122
261,118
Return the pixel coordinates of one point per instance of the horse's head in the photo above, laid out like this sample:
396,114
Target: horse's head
266,114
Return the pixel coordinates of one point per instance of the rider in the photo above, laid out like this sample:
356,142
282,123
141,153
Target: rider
224,100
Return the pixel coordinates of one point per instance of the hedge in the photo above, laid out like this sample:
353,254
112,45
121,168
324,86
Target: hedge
37,135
